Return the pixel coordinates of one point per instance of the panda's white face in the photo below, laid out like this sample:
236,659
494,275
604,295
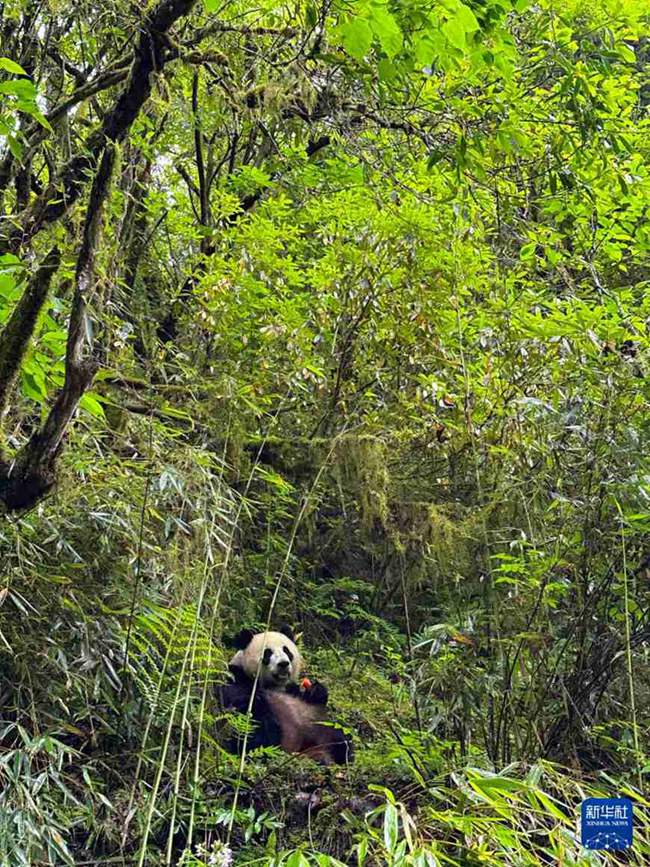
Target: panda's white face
276,656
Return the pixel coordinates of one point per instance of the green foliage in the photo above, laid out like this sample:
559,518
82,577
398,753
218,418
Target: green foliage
35,798
159,641
370,321
17,96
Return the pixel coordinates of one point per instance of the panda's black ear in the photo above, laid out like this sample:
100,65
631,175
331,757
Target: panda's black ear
288,631
242,639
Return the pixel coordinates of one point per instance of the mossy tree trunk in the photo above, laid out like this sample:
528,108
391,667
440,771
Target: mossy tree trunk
27,476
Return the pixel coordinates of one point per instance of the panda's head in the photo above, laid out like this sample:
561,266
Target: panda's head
273,653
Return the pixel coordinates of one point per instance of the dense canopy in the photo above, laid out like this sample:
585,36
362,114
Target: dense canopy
333,312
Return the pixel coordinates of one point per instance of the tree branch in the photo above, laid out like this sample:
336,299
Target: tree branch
25,480
16,336
204,192
37,133
150,55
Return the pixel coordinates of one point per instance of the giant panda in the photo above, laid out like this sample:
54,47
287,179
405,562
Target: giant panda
266,667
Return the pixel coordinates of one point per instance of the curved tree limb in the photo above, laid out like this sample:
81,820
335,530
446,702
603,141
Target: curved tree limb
26,479
17,333
150,55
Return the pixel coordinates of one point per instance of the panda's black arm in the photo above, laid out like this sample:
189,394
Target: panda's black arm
315,694
235,694
265,732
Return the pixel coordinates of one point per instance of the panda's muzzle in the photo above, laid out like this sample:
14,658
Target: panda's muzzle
281,673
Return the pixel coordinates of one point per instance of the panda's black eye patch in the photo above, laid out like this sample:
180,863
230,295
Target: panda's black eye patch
289,653
268,653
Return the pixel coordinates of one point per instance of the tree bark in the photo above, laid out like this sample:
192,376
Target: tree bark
16,336
31,474
151,54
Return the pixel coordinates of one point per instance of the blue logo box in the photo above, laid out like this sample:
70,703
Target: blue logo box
606,823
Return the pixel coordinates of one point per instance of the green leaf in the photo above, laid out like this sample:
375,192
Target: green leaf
549,805
15,146
311,15
454,32
11,66
457,28
627,53
10,262
467,19
7,286
390,827
387,31
528,251
33,385
356,36
40,117
20,87
434,157
386,70
275,480
297,859
211,5
92,405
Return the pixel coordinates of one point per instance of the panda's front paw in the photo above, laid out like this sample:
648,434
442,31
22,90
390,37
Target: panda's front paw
316,693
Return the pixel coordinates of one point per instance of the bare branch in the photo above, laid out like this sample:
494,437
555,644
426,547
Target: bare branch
198,149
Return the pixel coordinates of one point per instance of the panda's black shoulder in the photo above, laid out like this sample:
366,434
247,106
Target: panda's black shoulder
236,692
236,695
238,675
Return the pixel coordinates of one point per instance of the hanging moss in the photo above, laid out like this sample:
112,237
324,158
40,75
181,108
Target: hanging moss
363,461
